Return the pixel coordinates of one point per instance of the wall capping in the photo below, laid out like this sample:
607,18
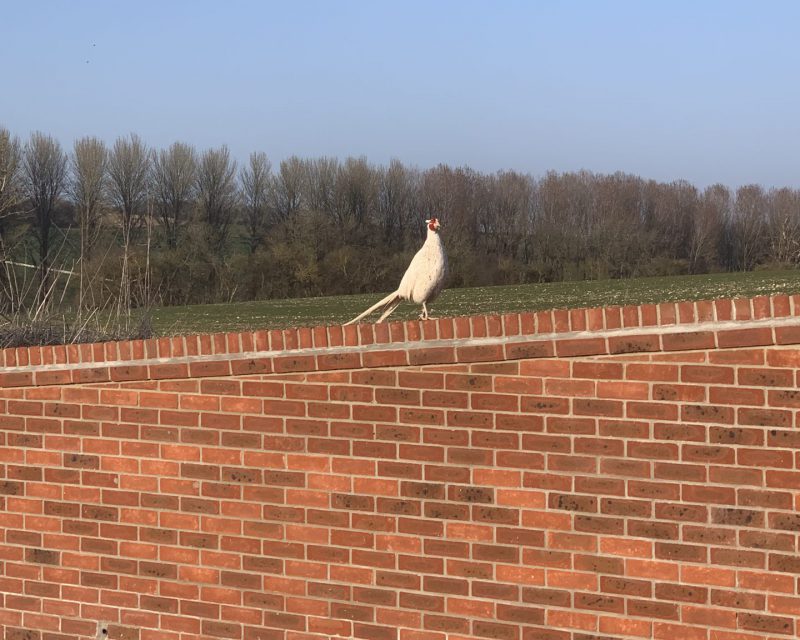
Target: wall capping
553,333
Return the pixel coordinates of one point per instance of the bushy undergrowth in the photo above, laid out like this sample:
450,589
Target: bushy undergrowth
53,331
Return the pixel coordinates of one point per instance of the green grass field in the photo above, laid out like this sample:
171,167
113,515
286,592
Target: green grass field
297,312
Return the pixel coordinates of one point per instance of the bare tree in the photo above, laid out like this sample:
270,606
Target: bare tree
356,194
174,186
129,173
747,226
255,180
11,205
44,171
676,210
129,167
784,226
87,189
552,240
10,163
398,195
217,194
286,191
447,194
502,218
319,184
707,225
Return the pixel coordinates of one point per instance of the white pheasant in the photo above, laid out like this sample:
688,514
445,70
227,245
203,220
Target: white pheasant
422,281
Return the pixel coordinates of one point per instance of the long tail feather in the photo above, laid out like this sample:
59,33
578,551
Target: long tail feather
389,309
382,304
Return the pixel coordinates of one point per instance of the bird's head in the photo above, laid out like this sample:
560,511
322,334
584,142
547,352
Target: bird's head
433,224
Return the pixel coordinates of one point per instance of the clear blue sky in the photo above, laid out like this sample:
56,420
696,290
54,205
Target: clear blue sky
706,90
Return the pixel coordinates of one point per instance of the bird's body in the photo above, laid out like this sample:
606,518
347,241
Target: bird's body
422,281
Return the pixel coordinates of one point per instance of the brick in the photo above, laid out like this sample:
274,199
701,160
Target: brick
707,374
483,353
633,344
580,347
496,630
761,307
738,599
597,407
737,558
680,552
652,411
787,335
707,413
784,605
766,623
652,609
530,349
681,592
445,624
738,338
42,556
338,361
765,417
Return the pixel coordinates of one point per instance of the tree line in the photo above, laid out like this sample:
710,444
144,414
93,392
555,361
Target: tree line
125,225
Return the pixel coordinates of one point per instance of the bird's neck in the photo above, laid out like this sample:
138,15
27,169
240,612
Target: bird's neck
433,237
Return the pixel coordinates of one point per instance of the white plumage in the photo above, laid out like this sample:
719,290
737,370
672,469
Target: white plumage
422,281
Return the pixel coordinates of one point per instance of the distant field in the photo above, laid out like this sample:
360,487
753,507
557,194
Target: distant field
296,312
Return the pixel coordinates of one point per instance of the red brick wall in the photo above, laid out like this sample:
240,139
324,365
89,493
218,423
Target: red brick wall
569,475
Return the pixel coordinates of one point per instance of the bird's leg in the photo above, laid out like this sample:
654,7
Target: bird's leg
425,315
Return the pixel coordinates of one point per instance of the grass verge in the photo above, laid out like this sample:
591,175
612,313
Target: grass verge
269,314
